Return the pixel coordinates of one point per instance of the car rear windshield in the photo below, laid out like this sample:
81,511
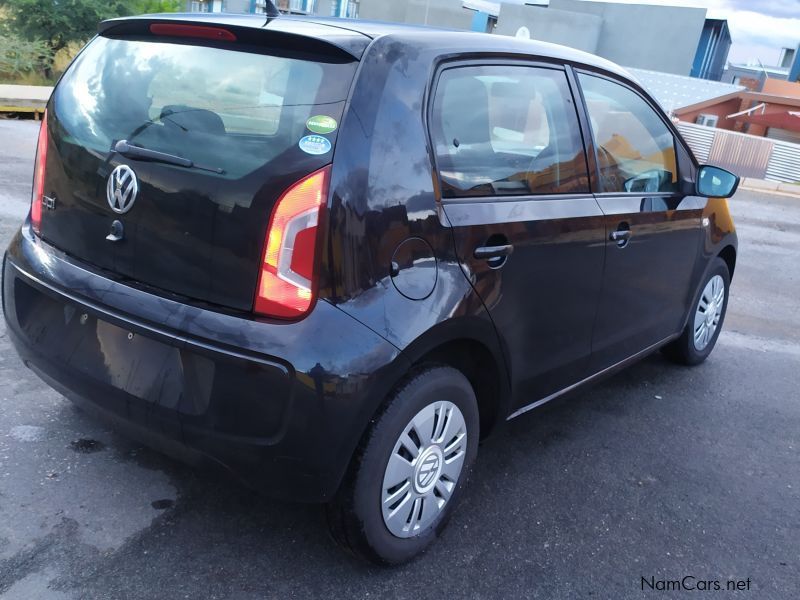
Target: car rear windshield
225,109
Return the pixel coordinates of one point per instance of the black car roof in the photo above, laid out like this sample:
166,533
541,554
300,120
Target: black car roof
354,35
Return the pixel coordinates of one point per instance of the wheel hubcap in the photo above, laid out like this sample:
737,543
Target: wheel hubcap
423,469
709,311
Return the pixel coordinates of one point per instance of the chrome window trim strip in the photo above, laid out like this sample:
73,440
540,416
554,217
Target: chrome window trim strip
621,204
487,210
545,208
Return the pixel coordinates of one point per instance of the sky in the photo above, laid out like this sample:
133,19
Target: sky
759,28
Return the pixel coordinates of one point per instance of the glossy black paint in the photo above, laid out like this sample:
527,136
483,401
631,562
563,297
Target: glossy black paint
193,233
646,282
544,297
246,393
284,404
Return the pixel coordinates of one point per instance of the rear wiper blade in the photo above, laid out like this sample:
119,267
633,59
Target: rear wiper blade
130,151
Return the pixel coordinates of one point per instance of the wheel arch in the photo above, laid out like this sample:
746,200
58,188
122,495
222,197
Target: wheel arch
728,254
470,346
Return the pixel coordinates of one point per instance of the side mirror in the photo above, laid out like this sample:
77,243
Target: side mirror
713,182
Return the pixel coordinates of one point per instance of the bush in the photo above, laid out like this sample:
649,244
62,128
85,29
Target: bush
20,58
38,38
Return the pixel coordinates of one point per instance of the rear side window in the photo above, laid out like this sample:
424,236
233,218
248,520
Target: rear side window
506,130
226,109
635,148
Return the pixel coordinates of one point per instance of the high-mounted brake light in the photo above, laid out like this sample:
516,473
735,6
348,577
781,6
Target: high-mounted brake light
286,283
38,176
193,31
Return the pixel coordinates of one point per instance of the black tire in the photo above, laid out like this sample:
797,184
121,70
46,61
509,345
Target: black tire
355,515
683,350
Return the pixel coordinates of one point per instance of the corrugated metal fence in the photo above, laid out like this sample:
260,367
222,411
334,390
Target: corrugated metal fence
699,138
745,155
784,165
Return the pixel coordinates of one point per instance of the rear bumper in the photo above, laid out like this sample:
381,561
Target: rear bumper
282,405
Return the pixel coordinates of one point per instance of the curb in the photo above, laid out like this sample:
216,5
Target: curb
24,98
770,187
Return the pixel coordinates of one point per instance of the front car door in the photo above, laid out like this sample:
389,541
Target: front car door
653,227
514,187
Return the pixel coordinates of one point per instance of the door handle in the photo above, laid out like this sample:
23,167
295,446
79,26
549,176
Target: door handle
489,252
620,236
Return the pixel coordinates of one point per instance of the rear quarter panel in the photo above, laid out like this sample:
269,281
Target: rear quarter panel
382,193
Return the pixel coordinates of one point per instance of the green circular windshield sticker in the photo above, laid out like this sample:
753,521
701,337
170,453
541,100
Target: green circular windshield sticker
321,124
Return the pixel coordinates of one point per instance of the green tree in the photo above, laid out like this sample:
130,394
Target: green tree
141,7
19,57
60,22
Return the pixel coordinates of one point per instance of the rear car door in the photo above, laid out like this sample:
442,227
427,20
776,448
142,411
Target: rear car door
653,229
514,186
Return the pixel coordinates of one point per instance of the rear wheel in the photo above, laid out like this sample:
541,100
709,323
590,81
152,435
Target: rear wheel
705,321
410,469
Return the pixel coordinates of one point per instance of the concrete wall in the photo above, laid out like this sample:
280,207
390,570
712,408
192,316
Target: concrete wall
449,14
323,8
659,38
577,30
237,6
380,10
231,6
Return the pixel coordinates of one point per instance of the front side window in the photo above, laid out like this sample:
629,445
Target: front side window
635,148
507,130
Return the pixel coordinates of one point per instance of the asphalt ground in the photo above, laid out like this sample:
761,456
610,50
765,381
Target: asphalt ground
660,472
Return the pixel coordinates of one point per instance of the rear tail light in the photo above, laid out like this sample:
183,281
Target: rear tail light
38,176
286,282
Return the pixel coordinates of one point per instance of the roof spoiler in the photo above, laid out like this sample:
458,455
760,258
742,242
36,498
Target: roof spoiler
297,36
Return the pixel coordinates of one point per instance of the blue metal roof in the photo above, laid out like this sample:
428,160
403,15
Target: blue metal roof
679,91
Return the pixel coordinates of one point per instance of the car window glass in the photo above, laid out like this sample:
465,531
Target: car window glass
507,130
635,148
232,110
249,100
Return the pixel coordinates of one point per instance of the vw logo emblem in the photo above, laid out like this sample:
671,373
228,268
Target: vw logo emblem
428,470
122,189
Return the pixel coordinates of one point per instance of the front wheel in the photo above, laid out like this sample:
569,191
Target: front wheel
410,469
705,321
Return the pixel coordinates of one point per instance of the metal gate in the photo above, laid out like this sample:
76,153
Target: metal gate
745,155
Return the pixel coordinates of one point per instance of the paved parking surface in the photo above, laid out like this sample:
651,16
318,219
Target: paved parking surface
660,472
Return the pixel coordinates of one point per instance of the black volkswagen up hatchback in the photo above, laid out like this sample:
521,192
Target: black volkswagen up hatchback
331,256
